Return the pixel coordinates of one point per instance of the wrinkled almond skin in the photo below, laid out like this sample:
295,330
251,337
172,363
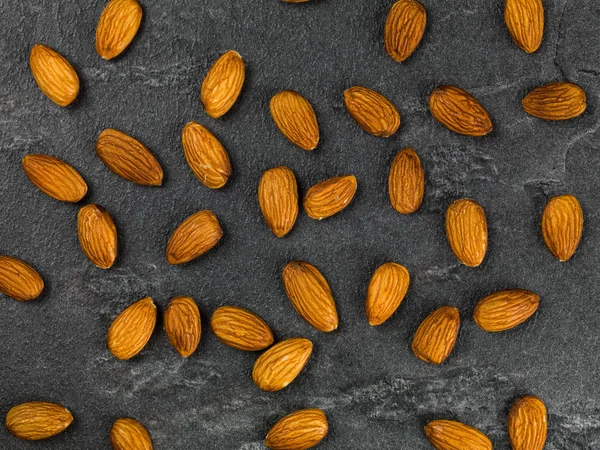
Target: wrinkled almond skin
278,199
54,177
131,330
436,336
329,197
129,434
406,182
97,235
562,226
525,22
223,84
33,421
404,28
310,295
466,229
295,118
193,237
54,75
118,25
182,325
19,280
241,329
555,101
527,424
280,365
450,435
459,111
372,111
386,291
504,310
300,430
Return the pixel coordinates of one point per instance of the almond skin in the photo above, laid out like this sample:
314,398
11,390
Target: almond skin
404,28
504,310
372,111
555,101
54,75
278,199
562,226
97,235
406,182
205,155
296,119
19,280
459,111
54,177
527,424
128,158
129,434
436,336
329,197
223,84
118,25
386,291
450,435
466,229
310,295
241,329
525,22
280,365
131,330
33,421
300,430
193,237
182,324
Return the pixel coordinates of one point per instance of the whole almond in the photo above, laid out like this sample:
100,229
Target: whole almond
525,22
129,434
386,291
205,155
54,177
555,101
436,336
504,310
406,182
278,199
131,330
118,25
404,28
466,229
54,75
193,237
329,197
295,118
223,84
97,235
372,111
300,430
34,421
281,364
241,329
562,226
19,280
527,424
128,158
450,435
459,111
295,1
182,324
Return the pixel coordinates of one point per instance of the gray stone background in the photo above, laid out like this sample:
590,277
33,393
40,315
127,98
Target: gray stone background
376,394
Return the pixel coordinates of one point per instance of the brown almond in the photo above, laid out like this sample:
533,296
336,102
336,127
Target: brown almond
504,310
300,430
295,1
527,424
182,324
19,280
436,336
97,235
404,28
34,421
451,435
329,197
278,199
241,329
129,434
555,101
223,84
193,237
281,364
295,118
372,111
118,25
131,330
525,22
54,177
54,75
386,291
406,182
562,226
459,111
466,229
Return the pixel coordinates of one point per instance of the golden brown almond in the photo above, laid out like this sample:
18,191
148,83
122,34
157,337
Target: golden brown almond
466,229
97,235
372,111
131,330
562,226
404,28
129,434
54,75
241,329
406,182
295,118
205,155
223,84
295,1
527,424
281,364
459,111
34,421
310,295
19,280
278,199
436,336
300,430
193,237
128,158
54,177
450,435
555,101
118,25
504,310
329,197
386,291
525,22
182,324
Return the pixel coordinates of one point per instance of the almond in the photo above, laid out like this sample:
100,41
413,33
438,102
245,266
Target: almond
118,25
525,22
555,101
223,84
54,177
310,295
295,118
562,226
278,199
372,111
193,237
329,197
54,75
406,182
504,310
129,434
295,1
404,28
128,158
19,280
527,424
131,330
466,229
450,435
280,365
241,329
459,111
386,291
34,421
436,336
182,324
97,235
300,430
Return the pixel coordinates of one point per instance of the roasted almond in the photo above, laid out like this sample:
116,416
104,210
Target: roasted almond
459,111
525,22
131,330
54,75
295,1
404,28
34,421
295,118
223,84
436,336
129,434
241,329
372,111
329,197
527,424
300,430
504,310
117,27
386,291
182,324
466,229
280,365
54,177
555,101
406,182
193,237
19,280
450,435
278,199
562,226
97,235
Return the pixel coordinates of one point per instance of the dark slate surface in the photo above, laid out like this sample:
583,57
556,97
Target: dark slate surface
376,394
